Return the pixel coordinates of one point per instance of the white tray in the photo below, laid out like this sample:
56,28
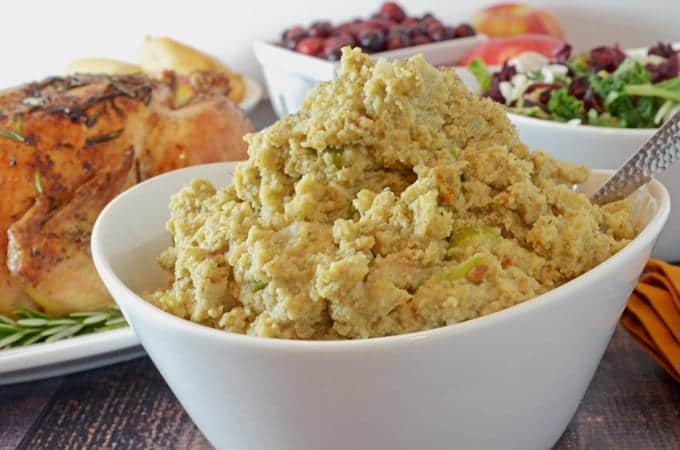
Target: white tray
44,360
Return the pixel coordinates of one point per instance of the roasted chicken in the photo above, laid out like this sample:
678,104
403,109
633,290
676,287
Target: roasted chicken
68,146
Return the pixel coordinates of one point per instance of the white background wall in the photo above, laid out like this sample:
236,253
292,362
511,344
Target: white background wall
39,38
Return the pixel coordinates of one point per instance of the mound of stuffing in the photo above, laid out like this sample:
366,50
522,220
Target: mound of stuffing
394,201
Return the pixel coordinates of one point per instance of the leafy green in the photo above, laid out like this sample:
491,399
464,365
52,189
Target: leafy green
529,111
631,72
668,90
579,65
619,101
604,120
481,73
564,106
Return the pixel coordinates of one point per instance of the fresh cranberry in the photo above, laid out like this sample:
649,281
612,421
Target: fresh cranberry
413,31
421,39
320,29
393,11
606,58
372,40
397,38
464,30
410,21
344,28
292,36
388,24
430,21
398,29
370,25
311,46
347,37
661,49
332,46
436,33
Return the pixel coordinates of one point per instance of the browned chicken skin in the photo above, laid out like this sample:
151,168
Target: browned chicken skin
68,146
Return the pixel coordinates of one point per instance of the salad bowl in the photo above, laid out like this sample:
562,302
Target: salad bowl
605,147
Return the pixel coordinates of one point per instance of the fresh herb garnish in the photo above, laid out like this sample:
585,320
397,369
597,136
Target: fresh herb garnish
13,135
19,125
33,326
37,181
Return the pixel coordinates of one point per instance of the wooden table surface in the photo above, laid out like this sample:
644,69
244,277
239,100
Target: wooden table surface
631,404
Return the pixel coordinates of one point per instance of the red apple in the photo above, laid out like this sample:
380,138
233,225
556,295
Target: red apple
511,19
497,51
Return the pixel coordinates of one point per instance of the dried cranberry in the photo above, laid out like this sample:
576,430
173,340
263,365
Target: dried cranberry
578,87
393,11
543,87
311,46
666,70
563,54
397,39
592,101
506,73
606,58
494,91
372,40
544,96
464,30
320,29
661,49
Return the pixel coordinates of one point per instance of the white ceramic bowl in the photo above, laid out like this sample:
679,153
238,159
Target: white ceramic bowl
606,148
509,380
289,75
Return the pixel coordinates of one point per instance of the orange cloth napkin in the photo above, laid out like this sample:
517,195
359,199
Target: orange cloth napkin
652,315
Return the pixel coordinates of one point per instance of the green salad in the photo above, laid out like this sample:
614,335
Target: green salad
602,87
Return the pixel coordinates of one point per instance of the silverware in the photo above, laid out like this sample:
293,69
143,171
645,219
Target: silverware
655,156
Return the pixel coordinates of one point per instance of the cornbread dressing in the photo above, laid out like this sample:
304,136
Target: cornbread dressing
394,201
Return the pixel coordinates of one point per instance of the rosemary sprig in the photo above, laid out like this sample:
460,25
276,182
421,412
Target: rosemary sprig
13,135
33,326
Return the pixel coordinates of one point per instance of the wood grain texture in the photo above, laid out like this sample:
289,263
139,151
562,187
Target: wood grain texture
631,404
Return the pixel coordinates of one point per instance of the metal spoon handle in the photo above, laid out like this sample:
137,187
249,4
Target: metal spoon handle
655,156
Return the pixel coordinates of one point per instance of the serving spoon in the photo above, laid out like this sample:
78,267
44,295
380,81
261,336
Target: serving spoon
655,156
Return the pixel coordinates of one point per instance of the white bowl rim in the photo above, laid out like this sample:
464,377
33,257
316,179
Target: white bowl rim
650,232
585,128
